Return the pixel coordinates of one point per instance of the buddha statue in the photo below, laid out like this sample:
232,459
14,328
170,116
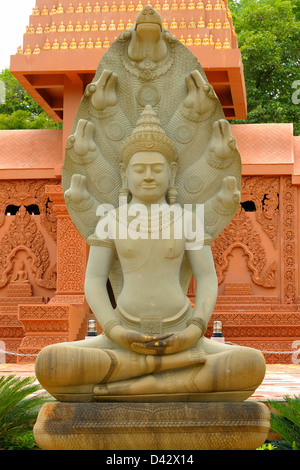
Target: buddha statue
70,27
53,27
189,41
191,6
19,50
139,6
129,24
64,45
182,6
35,11
165,23
218,44
53,10
97,8
173,24
226,24
218,24
45,11
113,7
55,45
106,43
200,6
70,9
73,44
47,28
94,26
217,5
60,9
31,29
130,6
130,169
201,23
211,40
122,7
88,8
157,6
39,29
182,23
47,45
226,44
27,50
112,26
103,26
79,9
120,26
197,41
98,44
78,27
205,41
192,24
61,28
22,275
174,6
182,40
210,24
208,6
86,26
81,44
37,50
90,44
165,6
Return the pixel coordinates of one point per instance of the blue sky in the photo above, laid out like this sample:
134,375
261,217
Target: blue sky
13,20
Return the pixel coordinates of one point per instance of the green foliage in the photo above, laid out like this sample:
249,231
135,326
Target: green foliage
285,420
19,110
269,39
19,407
267,446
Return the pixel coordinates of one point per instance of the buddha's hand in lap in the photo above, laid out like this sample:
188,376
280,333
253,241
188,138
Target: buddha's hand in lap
127,338
169,344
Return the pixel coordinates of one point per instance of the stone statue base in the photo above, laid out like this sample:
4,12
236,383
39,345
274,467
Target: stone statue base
152,426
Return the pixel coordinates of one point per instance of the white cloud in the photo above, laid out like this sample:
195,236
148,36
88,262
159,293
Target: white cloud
14,17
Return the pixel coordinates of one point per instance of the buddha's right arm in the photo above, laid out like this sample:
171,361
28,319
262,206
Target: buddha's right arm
98,268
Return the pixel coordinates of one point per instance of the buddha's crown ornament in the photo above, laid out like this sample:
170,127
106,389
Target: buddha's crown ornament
148,135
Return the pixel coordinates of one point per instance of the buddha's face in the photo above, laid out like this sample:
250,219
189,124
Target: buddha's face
148,177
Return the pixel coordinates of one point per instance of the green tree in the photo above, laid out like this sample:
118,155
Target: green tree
18,110
269,39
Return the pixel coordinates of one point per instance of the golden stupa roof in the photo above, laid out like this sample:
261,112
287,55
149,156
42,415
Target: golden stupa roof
66,37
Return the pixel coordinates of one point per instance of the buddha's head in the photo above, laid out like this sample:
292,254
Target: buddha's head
148,161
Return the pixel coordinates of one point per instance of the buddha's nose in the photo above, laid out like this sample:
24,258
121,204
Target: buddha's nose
148,175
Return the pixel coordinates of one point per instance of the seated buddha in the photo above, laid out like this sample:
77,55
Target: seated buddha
174,6
79,9
200,6
165,6
78,27
53,10
88,8
53,27
189,41
55,45
47,45
217,5
73,44
112,26
60,9
98,44
208,6
103,26
39,29
70,8
122,7
86,26
113,7
37,50
61,28
139,6
173,24
70,27
197,41
130,6
157,6
97,8
182,23
192,23
182,6
94,26
153,344
27,50
90,44
191,6
120,26
201,23
45,11
64,45
81,44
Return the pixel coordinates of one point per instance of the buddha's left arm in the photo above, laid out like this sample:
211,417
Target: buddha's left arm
203,269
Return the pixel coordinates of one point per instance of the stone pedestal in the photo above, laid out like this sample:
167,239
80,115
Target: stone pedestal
152,426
